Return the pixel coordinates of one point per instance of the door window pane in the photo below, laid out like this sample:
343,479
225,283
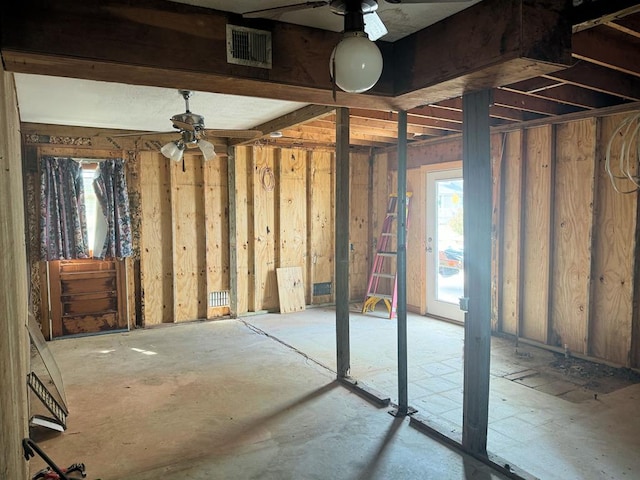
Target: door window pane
450,245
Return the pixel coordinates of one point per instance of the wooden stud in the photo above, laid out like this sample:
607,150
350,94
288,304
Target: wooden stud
14,342
536,233
572,222
234,269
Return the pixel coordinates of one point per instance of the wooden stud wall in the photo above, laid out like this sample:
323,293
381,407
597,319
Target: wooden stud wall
292,209
510,234
568,242
265,287
244,248
14,342
565,251
320,223
156,264
613,265
416,241
216,224
538,166
573,217
359,231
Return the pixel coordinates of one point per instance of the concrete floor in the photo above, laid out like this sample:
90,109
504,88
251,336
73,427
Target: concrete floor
216,400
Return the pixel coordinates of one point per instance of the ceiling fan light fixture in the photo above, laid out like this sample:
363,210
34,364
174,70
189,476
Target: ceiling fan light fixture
356,62
207,149
173,150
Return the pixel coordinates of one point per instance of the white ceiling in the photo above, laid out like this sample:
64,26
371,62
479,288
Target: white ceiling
400,20
74,102
87,103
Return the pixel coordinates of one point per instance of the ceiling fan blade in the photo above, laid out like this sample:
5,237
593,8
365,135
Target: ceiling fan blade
374,27
284,9
233,133
139,134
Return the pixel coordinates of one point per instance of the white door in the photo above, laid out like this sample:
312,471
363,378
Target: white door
445,274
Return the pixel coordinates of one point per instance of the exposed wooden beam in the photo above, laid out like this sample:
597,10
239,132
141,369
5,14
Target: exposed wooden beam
414,120
298,117
573,95
179,46
512,114
65,136
534,85
629,25
325,133
580,97
506,29
432,111
530,103
608,48
382,127
600,79
592,13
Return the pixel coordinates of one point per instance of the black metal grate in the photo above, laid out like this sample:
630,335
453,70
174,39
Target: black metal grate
246,46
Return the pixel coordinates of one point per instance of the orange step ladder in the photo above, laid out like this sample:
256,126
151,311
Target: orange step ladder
383,281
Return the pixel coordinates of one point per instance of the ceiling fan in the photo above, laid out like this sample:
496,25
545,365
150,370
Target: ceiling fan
356,62
373,25
193,132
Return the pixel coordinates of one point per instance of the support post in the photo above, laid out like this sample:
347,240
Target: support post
401,265
342,242
233,233
476,173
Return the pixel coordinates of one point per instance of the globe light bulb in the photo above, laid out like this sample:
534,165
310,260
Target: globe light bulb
357,62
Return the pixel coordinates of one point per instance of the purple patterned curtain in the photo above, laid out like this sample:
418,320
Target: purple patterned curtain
110,185
63,223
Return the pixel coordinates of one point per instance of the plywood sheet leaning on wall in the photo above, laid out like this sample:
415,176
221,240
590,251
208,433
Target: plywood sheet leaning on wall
292,209
290,289
536,246
359,227
321,224
189,254
265,289
156,255
216,217
573,217
613,263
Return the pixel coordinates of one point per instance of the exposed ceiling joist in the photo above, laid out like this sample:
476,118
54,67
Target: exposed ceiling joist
298,117
608,48
600,79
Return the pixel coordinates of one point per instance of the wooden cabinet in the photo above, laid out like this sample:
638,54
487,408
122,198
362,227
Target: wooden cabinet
87,296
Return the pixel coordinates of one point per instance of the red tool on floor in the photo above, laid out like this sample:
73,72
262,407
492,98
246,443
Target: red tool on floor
52,472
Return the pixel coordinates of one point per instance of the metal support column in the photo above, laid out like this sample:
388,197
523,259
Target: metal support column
342,242
401,267
476,172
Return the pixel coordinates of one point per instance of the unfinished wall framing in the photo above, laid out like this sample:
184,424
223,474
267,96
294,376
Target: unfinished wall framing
564,239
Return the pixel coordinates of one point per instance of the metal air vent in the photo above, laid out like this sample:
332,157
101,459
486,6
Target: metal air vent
248,46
